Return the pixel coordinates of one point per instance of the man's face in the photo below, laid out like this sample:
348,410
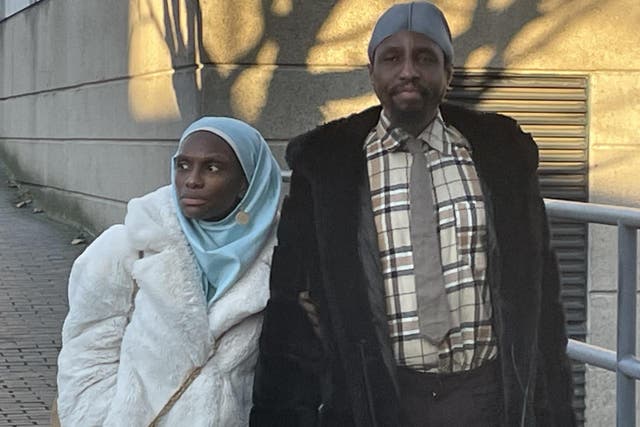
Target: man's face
208,176
409,76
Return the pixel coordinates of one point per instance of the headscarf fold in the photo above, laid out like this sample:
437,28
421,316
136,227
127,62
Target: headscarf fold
224,249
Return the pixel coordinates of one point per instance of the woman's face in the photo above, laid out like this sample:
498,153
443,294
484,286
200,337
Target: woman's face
209,179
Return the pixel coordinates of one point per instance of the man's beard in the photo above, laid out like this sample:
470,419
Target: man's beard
421,113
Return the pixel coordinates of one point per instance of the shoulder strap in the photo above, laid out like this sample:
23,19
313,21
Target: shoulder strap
185,385
134,292
192,376
165,409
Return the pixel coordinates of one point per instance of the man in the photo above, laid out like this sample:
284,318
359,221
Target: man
413,283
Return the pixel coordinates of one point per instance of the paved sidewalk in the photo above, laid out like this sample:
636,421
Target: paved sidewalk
35,259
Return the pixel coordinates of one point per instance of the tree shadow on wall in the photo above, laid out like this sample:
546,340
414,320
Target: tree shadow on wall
295,92
215,82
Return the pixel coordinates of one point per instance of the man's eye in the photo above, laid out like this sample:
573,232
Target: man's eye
391,58
213,168
426,59
182,166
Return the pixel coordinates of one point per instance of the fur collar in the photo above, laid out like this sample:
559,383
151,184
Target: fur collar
152,227
501,155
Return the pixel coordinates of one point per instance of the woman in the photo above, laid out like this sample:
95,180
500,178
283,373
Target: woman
164,310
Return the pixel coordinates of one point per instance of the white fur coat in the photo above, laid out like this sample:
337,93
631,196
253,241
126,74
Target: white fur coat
113,371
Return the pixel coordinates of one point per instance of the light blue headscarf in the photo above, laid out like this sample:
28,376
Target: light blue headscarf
224,249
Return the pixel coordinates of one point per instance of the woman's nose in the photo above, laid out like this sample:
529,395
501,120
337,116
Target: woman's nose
194,180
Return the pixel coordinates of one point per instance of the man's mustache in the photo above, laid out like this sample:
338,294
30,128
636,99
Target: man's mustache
410,86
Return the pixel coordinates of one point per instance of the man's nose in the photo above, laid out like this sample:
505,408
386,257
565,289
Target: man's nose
409,69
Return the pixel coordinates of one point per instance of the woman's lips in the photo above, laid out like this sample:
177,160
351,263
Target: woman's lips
192,201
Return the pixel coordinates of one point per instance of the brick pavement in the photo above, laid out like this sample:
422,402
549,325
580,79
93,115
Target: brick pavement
35,259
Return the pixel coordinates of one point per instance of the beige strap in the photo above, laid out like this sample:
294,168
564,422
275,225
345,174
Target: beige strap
165,409
192,376
185,385
134,293
55,418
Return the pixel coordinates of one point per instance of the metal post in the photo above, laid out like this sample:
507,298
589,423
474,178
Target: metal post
625,385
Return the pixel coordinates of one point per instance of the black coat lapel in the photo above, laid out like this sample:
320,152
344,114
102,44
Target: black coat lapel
350,272
338,198
506,161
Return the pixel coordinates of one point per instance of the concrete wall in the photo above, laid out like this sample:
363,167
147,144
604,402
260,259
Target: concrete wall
94,94
9,7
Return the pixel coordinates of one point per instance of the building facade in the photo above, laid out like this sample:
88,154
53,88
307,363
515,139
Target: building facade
95,93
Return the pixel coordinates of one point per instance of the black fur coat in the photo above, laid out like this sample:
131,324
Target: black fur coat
327,246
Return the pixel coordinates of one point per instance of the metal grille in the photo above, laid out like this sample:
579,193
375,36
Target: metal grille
553,108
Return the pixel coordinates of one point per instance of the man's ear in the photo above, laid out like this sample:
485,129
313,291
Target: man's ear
370,68
449,71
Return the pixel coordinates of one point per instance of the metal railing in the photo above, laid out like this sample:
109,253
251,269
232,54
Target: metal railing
623,362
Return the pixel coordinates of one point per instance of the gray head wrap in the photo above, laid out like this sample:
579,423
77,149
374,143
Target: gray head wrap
419,17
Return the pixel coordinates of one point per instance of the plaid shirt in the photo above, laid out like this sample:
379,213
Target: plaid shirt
462,232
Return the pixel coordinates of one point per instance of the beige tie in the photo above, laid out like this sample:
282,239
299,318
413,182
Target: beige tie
433,307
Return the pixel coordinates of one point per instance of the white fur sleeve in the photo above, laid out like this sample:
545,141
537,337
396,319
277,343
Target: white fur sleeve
100,292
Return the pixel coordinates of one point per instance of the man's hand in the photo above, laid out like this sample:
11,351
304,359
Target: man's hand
304,299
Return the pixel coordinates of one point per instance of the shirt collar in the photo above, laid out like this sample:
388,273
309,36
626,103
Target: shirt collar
437,134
